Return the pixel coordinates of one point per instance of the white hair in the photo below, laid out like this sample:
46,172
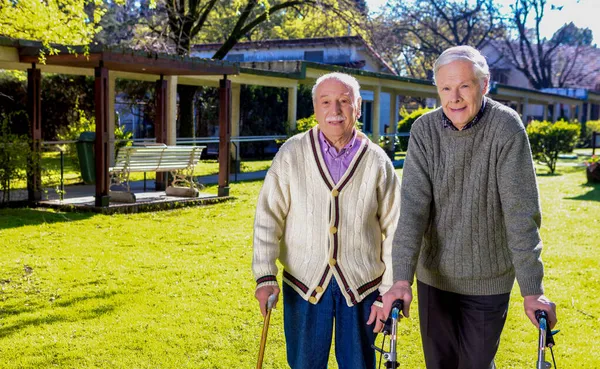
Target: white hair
346,79
470,54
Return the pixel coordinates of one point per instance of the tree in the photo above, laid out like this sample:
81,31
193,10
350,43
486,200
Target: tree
572,35
412,34
70,22
179,23
546,63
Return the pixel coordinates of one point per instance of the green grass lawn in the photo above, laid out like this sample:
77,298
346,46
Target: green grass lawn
174,289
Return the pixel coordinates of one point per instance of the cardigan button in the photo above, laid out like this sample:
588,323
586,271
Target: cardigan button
312,300
319,289
332,262
333,230
335,193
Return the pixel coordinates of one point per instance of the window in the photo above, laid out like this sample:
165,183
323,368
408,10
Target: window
499,75
314,56
235,57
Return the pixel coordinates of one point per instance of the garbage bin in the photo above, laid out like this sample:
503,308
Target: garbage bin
85,152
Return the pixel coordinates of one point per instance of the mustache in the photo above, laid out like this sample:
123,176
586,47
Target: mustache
336,118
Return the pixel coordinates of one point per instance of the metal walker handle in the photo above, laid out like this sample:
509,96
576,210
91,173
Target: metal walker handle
390,328
544,340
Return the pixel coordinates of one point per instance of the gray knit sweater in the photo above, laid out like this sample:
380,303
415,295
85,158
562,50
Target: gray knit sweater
470,210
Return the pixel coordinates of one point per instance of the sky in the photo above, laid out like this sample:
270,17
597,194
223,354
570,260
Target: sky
584,13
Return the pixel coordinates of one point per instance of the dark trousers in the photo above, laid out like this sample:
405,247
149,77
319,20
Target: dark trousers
460,331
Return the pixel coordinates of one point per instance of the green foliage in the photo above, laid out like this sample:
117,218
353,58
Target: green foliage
550,139
14,152
69,22
305,124
85,123
405,124
590,126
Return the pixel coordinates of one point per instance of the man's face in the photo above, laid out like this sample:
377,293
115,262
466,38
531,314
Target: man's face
336,109
460,92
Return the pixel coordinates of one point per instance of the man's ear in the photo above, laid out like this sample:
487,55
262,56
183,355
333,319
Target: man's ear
358,107
486,85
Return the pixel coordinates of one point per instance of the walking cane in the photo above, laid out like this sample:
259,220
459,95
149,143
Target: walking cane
263,338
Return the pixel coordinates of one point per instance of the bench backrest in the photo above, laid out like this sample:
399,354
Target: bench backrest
156,158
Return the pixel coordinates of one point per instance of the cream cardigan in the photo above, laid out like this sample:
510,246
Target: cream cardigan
318,230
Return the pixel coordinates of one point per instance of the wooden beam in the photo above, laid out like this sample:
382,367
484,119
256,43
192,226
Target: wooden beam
34,110
224,135
160,127
102,145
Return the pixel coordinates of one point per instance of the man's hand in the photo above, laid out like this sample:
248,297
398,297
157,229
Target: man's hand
540,302
400,290
262,295
377,317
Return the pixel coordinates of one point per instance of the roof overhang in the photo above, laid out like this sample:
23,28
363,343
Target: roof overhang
115,59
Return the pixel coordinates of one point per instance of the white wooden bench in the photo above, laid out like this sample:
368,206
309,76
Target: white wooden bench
177,160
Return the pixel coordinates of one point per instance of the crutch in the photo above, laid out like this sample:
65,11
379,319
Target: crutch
545,339
390,328
263,338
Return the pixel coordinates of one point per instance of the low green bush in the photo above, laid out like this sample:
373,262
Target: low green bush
590,126
14,153
405,124
87,124
550,139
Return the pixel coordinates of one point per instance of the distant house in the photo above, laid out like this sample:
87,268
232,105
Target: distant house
588,88
346,51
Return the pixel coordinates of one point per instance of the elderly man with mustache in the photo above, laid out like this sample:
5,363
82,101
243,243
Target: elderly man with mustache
328,210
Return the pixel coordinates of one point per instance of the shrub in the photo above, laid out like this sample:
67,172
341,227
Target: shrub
14,152
549,139
590,126
406,123
305,124
86,124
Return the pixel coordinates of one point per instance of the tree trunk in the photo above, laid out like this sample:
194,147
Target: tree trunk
186,110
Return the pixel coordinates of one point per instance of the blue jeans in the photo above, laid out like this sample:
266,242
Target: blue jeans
309,329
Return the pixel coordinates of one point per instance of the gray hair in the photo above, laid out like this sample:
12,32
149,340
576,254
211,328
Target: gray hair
466,53
346,79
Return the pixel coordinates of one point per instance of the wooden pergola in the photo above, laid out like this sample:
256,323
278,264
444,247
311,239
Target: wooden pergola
103,60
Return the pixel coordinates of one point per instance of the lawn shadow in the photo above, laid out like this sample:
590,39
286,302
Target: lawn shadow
57,313
548,174
592,195
20,217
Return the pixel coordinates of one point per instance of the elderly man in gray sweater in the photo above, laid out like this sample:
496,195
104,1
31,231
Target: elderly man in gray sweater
469,219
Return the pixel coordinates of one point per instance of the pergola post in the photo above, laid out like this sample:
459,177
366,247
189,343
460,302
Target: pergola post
292,107
112,82
393,126
555,109
224,135
171,114
376,114
235,123
160,127
545,115
523,110
101,145
34,109
588,115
